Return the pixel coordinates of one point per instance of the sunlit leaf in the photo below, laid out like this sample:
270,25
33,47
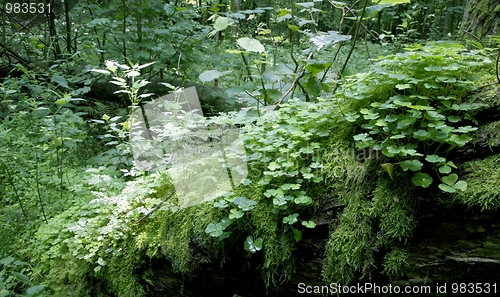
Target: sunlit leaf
251,45
211,75
221,23
309,224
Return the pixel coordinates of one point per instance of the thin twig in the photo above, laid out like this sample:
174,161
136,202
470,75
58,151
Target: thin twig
356,33
294,84
497,65
38,187
475,37
488,85
156,207
247,67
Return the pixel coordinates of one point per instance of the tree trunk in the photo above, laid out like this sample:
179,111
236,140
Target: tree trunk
450,246
481,18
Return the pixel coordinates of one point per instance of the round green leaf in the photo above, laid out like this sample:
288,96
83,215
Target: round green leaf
434,159
309,224
450,179
251,245
460,185
221,23
422,179
445,169
244,203
413,165
236,214
447,188
291,219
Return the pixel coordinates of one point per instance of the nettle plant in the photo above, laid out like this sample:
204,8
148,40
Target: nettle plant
415,108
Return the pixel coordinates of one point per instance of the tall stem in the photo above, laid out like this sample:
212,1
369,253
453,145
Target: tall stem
38,187
356,34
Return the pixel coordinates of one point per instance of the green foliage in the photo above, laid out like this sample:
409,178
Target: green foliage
403,104
483,189
124,77
348,248
395,262
412,114
14,281
76,209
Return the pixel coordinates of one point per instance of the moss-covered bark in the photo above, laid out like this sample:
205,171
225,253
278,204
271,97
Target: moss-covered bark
481,18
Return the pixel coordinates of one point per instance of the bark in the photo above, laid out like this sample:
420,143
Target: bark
481,18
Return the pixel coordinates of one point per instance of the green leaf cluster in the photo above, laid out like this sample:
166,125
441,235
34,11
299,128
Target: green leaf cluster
413,107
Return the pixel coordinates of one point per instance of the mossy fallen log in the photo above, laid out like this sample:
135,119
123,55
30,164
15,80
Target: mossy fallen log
212,99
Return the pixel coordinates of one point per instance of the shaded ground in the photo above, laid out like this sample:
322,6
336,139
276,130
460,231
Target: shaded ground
450,246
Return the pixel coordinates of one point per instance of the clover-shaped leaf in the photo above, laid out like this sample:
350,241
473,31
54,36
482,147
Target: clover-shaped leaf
244,203
252,245
451,185
413,165
434,159
362,137
273,166
450,179
297,234
279,201
235,213
291,219
309,224
221,204
460,140
303,198
421,179
215,230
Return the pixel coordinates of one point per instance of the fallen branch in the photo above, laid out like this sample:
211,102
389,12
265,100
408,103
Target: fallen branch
156,207
294,84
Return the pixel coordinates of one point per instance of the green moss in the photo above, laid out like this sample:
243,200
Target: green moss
493,132
395,262
483,179
278,244
120,274
182,230
348,248
482,18
394,204
68,277
342,168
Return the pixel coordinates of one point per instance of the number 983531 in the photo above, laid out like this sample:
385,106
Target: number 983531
27,8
